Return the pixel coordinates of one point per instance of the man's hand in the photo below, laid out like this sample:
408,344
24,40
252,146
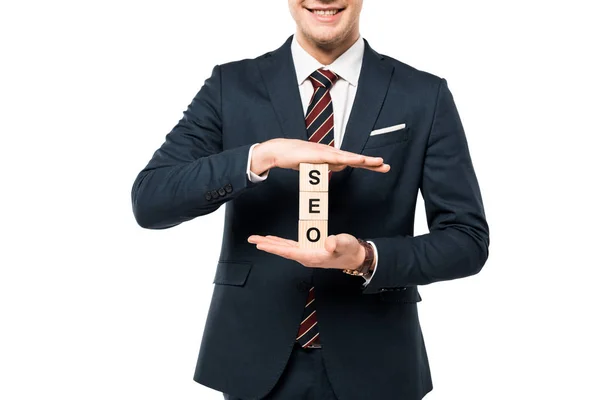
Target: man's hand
289,153
341,251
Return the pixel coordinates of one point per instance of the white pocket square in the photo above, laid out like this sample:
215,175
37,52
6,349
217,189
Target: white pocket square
388,129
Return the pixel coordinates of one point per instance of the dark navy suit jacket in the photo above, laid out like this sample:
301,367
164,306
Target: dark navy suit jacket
372,342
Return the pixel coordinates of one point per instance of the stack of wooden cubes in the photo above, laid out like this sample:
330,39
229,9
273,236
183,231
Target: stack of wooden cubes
314,205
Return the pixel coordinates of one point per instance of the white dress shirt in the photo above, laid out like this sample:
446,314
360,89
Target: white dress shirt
343,92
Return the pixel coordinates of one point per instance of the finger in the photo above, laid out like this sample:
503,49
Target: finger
308,257
382,168
355,157
331,155
256,239
368,161
362,161
283,241
347,158
326,154
282,251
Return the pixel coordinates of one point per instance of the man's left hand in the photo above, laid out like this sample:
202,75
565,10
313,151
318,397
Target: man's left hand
341,251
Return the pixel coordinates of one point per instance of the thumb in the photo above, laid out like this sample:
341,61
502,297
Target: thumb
340,243
331,243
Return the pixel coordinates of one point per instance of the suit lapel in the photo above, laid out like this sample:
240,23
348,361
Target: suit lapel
373,83
279,75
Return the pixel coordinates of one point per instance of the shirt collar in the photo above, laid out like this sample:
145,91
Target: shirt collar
347,65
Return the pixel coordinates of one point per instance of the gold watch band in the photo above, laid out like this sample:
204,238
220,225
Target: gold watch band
364,269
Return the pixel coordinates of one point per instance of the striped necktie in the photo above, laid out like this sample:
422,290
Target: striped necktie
319,129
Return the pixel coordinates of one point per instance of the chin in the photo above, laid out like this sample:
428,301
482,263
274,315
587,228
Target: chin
325,37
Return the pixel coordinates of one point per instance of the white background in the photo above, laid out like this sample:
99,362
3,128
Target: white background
94,307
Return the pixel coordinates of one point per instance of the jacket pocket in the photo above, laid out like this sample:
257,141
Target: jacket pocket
406,295
232,273
384,139
388,129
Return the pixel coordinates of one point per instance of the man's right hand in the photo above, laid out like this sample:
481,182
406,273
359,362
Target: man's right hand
289,153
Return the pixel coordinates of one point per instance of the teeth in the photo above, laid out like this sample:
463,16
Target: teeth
327,12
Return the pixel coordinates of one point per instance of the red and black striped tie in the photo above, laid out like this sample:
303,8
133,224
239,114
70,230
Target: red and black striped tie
319,129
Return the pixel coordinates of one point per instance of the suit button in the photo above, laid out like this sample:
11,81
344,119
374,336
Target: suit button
222,192
214,194
208,196
303,286
228,188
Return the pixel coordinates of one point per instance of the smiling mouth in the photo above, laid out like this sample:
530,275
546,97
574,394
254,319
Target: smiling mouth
326,13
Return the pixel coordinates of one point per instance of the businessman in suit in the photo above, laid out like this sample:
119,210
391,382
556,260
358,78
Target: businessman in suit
339,322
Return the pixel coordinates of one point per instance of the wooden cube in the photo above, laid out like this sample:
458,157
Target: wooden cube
312,233
314,177
314,205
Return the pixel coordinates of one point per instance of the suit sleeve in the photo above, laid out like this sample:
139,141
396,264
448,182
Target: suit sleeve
458,239
190,174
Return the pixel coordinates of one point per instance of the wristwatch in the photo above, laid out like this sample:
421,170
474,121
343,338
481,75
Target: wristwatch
365,268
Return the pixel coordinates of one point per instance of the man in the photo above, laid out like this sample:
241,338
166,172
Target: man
292,323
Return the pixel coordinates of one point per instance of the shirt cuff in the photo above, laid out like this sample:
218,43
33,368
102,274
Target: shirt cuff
367,280
252,177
